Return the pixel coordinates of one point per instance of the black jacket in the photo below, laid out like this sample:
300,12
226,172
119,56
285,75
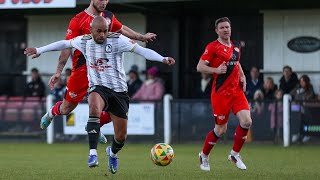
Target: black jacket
287,86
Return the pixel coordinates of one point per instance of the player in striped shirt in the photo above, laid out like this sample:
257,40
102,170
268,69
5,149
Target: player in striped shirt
107,81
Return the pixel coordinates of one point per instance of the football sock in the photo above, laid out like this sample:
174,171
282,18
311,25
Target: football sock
240,137
93,152
55,111
116,147
93,129
104,118
210,141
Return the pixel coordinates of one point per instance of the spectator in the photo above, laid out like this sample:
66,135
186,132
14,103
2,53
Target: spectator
258,104
269,88
134,82
67,74
289,80
35,88
276,110
254,83
152,88
58,90
204,88
304,91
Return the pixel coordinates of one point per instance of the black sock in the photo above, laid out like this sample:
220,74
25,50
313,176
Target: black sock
116,146
93,129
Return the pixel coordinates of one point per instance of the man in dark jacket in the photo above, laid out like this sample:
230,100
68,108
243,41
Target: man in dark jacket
35,88
288,81
134,82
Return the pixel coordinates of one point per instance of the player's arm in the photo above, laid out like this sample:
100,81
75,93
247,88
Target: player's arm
203,64
152,55
242,78
137,36
127,45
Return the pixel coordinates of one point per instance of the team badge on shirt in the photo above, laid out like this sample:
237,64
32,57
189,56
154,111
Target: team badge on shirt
108,48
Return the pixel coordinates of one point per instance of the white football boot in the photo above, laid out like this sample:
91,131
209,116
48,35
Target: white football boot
204,162
236,158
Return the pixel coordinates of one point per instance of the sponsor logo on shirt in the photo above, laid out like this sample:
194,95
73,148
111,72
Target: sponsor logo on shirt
100,65
69,32
72,94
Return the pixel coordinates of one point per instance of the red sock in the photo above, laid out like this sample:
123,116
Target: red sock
56,109
210,141
104,118
240,137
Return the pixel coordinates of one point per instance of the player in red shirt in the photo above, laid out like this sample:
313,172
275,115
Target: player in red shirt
77,86
221,58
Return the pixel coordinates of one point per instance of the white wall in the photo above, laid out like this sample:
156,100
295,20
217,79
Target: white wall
43,30
279,28
138,23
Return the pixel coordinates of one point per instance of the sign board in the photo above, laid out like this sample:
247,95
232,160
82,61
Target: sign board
140,120
29,4
304,44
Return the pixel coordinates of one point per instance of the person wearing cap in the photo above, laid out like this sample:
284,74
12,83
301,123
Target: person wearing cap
134,82
152,89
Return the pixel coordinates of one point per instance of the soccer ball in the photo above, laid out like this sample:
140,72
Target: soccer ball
162,154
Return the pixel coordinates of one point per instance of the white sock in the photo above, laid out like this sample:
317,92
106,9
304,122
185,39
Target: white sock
50,113
203,155
93,152
112,154
233,153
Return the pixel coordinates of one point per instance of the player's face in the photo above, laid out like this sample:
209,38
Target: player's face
224,30
100,5
99,32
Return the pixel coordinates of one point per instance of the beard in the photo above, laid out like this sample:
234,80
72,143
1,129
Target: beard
97,9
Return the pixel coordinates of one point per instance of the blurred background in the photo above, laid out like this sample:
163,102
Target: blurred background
279,44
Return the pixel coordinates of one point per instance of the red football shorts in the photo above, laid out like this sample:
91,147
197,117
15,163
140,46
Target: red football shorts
77,87
223,104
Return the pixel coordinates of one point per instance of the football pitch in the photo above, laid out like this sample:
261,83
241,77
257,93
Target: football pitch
68,161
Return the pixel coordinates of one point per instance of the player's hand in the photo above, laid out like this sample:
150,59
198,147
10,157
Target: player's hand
222,69
169,60
53,80
149,37
243,83
31,52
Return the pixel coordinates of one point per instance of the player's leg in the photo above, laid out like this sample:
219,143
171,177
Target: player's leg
120,134
77,88
96,104
104,118
242,111
118,109
221,110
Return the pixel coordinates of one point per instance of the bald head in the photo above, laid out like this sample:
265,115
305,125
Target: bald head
99,29
99,21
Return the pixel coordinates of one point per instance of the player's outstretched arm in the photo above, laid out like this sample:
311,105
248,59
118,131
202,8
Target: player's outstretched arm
56,46
152,55
137,36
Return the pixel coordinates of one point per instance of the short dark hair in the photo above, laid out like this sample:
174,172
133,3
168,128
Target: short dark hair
35,70
287,67
220,20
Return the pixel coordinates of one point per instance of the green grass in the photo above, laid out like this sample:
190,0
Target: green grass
68,161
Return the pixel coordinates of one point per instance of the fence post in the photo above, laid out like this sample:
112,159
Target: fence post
50,129
167,118
286,120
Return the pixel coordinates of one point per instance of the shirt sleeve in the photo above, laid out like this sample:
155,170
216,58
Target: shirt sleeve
76,43
208,53
116,25
126,44
73,29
